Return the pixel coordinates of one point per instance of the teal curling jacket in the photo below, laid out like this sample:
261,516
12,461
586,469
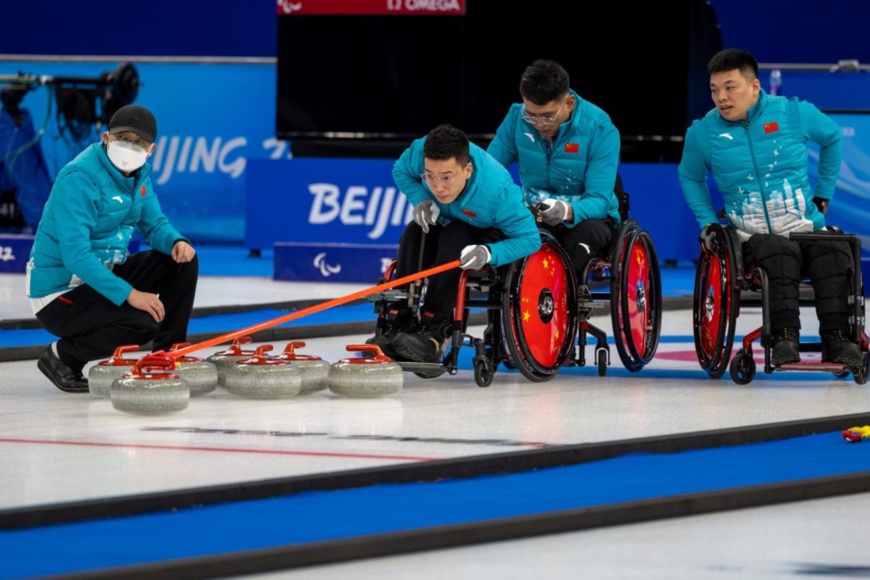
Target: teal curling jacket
87,224
579,167
491,200
760,166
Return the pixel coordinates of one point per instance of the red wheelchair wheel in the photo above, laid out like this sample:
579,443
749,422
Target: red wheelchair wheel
715,304
636,298
540,311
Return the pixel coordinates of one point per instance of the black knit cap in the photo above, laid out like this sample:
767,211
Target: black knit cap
135,119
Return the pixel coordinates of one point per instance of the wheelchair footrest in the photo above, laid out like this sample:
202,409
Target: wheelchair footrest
418,367
830,367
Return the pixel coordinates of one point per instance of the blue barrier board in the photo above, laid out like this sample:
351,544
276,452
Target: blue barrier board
325,262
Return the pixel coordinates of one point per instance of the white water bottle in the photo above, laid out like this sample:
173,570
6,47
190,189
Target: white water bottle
775,81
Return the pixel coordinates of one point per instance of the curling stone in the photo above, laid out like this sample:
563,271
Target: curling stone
263,377
365,378
227,358
103,374
201,375
150,388
314,369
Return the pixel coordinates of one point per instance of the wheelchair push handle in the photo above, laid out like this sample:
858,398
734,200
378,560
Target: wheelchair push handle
711,235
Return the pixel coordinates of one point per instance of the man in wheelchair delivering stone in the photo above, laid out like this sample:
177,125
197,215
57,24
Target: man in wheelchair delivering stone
466,206
755,147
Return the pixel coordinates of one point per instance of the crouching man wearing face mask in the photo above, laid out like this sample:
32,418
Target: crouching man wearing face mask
83,286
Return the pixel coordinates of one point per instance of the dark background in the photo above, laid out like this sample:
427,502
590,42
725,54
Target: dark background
388,79
775,31
643,63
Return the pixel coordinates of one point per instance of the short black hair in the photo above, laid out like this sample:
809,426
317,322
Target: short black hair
446,142
734,59
544,81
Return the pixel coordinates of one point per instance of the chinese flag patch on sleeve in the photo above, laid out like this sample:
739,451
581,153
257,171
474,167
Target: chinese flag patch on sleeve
572,147
771,127
142,191
469,213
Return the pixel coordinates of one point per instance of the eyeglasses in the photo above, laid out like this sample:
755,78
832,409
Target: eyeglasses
133,141
435,179
547,120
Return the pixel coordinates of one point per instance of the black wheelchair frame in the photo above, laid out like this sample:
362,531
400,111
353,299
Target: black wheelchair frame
722,279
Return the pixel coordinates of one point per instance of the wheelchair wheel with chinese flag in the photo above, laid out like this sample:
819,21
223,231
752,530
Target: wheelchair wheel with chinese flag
539,311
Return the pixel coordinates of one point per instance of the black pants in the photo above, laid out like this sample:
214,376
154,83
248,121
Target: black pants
441,245
786,262
91,327
588,239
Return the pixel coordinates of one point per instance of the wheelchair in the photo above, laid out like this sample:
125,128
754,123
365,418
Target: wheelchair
722,282
537,318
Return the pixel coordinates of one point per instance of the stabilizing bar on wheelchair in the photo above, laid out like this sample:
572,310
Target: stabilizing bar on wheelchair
175,354
853,239
814,237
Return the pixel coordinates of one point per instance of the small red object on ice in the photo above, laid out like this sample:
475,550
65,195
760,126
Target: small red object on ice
855,434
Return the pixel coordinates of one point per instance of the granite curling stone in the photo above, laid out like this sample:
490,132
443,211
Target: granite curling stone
365,378
150,388
314,370
201,375
103,374
263,377
227,358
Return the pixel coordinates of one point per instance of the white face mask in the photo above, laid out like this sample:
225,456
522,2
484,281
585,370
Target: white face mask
126,156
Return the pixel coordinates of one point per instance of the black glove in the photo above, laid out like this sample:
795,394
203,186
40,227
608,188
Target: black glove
822,204
425,213
555,211
706,238
474,257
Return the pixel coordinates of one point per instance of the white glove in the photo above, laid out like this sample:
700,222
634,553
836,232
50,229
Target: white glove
474,257
555,211
425,213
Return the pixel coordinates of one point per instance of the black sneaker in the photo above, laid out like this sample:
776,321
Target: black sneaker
397,321
837,347
384,342
418,346
424,343
785,347
63,377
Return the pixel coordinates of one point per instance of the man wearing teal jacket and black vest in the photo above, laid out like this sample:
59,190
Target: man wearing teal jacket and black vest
567,152
82,285
755,146
469,207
